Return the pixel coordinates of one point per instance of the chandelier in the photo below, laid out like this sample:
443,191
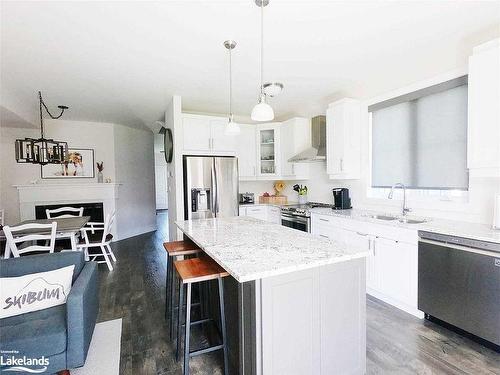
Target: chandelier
42,151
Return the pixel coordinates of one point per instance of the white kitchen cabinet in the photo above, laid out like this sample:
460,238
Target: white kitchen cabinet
328,337
483,138
295,137
262,212
343,142
396,271
220,140
274,214
206,134
391,269
257,212
197,133
246,150
268,150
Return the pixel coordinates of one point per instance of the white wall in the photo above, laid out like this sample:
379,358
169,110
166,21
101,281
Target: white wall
134,163
127,154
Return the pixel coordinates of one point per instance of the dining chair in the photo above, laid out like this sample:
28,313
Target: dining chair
93,239
67,212
32,233
70,212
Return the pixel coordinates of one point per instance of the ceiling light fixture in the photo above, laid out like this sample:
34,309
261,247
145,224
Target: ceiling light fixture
263,111
231,127
42,151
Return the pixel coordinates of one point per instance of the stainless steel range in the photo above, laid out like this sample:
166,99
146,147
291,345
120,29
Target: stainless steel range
298,216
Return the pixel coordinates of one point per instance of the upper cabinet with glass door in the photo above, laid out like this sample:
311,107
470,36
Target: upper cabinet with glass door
268,146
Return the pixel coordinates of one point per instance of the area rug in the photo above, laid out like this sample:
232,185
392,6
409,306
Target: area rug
104,351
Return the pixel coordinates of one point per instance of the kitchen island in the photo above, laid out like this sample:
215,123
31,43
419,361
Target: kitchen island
298,301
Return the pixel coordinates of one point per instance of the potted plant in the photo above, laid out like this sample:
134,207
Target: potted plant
302,191
100,168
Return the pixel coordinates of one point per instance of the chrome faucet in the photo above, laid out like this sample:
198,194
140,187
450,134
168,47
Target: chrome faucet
404,209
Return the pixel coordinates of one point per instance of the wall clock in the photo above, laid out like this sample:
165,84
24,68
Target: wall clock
168,145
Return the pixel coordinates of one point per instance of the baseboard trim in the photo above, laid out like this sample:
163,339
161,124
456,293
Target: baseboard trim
400,305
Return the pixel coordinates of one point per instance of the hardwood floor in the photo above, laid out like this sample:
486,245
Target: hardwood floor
397,343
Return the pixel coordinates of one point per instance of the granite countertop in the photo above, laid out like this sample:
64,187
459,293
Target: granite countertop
475,231
267,204
251,249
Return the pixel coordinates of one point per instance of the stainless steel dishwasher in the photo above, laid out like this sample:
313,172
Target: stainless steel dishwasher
459,283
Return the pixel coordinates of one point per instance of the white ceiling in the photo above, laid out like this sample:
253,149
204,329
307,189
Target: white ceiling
122,61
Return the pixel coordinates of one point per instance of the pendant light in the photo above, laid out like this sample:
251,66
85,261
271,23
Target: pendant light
42,150
231,127
263,111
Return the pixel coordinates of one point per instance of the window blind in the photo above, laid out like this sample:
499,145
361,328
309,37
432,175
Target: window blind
420,139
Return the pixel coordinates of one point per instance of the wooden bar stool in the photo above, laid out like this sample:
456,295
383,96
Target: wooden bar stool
195,271
175,250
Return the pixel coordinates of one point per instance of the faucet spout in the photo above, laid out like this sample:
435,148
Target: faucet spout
404,208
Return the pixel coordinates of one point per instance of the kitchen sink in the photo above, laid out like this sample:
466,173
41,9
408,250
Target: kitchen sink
381,217
412,221
391,218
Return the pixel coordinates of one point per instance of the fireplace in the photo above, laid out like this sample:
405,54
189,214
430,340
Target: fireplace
94,210
97,199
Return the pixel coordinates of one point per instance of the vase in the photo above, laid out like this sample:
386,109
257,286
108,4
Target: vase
302,199
100,177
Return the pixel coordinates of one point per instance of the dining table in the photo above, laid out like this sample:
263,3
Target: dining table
67,227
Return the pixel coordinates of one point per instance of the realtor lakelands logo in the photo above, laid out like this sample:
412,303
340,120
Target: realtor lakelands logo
10,361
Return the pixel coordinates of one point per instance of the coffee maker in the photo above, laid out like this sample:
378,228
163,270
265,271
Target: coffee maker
341,200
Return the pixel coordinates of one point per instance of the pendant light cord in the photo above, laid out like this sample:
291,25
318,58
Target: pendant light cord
42,103
261,46
230,87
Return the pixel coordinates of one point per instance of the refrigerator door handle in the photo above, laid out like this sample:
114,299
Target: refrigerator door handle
215,193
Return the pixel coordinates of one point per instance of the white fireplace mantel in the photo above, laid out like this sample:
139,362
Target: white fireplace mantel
31,195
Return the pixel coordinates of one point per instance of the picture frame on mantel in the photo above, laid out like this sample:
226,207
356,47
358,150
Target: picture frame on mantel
80,164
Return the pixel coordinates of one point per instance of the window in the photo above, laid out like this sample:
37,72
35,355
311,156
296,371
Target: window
420,139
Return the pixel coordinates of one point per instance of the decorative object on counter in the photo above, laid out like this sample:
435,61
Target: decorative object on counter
267,198
247,198
496,214
42,150
279,186
79,164
263,111
108,180
231,127
302,191
100,168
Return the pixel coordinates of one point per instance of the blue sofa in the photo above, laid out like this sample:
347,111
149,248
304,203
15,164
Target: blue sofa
61,333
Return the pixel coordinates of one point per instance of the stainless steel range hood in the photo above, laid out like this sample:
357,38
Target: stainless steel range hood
317,152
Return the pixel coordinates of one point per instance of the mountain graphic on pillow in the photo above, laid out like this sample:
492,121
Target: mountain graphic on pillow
37,290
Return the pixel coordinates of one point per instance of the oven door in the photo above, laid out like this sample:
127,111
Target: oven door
296,222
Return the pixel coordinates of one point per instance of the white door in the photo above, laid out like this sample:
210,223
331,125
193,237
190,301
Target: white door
287,149
246,151
259,212
394,262
161,187
221,141
197,135
274,214
268,154
335,139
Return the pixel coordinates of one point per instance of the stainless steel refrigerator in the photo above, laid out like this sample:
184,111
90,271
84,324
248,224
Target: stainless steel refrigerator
210,186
